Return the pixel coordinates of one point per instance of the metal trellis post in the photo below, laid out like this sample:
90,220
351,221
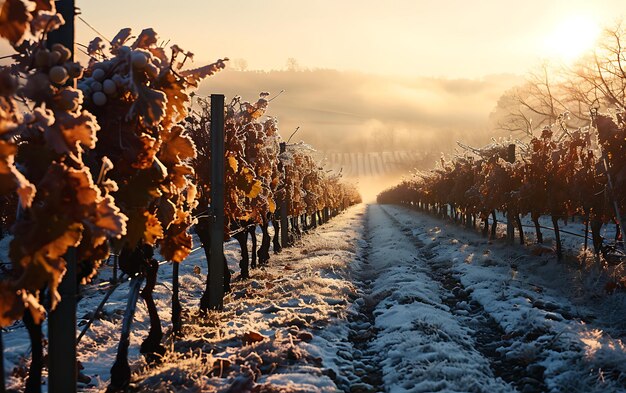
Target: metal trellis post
62,369
216,264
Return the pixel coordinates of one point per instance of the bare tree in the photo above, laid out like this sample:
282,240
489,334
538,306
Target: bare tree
550,95
292,64
240,64
598,80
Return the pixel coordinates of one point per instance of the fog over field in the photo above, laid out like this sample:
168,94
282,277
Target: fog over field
341,111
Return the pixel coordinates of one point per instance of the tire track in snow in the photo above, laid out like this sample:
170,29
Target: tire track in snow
366,361
489,335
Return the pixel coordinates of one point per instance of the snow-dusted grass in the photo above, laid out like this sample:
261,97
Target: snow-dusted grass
304,289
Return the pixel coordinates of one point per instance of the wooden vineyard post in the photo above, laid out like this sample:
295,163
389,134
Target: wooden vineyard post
62,370
216,264
177,324
284,221
510,228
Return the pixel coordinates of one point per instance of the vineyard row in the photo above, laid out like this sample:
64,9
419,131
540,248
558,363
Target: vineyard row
121,157
570,173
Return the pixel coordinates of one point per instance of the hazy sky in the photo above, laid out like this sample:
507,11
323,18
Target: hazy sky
448,38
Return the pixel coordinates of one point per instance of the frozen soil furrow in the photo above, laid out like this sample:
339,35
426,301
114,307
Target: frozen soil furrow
366,361
488,335
559,323
422,345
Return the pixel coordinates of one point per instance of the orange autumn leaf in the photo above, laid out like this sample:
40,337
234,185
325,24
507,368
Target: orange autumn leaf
153,229
14,21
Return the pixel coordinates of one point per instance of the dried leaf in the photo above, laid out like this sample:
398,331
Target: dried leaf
11,179
232,163
95,46
177,242
153,230
252,337
71,130
150,106
255,190
35,308
46,20
179,175
271,204
196,75
11,306
176,146
44,5
14,21
121,37
146,39
147,152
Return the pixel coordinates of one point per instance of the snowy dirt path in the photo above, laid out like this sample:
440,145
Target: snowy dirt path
542,325
380,299
421,343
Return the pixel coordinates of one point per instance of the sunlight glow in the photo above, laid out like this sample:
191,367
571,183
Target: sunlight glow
571,38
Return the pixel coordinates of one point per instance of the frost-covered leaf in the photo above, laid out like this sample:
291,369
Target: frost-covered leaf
179,174
121,37
166,211
232,163
150,106
108,217
177,96
271,205
37,311
44,5
11,179
177,243
95,46
147,152
46,20
247,183
146,39
196,75
11,306
153,230
107,220
176,146
71,130
14,21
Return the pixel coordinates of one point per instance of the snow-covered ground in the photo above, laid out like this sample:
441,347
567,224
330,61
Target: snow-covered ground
293,304
557,321
382,298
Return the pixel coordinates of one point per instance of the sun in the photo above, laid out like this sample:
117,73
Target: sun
571,38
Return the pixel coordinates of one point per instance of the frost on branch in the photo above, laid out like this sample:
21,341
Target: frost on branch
196,75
